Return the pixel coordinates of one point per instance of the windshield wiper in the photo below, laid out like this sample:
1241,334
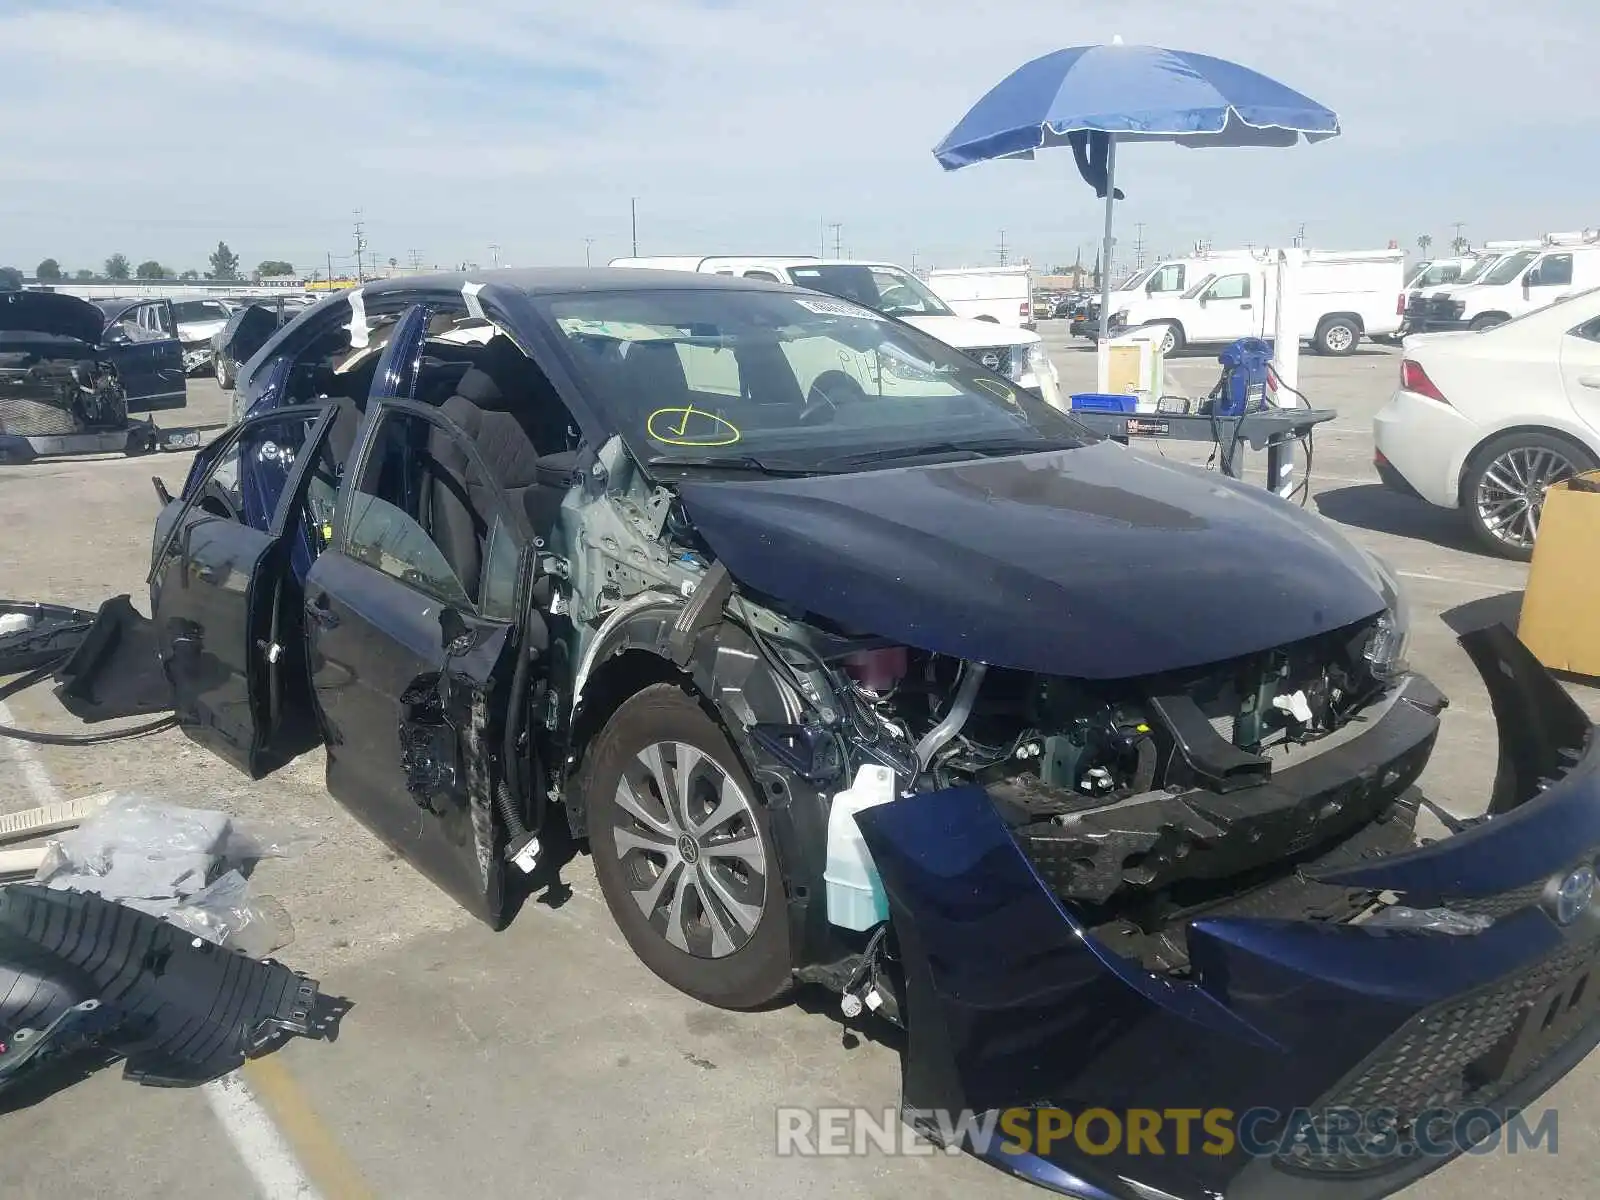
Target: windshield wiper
726,462
978,449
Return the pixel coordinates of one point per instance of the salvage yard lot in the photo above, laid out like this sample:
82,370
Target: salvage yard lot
546,1060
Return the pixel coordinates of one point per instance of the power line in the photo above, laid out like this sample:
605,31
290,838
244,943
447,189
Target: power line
836,226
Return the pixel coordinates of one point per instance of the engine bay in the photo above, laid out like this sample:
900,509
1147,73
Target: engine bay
1146,800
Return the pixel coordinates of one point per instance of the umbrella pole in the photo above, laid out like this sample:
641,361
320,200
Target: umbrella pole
1105,253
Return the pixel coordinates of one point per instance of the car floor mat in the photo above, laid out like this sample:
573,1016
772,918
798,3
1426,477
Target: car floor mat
115,670
78,970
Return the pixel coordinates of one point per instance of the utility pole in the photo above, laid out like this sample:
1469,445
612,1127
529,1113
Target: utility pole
1002,247
416,259
633,209
1138,247
361,244
330,266
1457,242
1300,236
913,262
836,226
494,249
587,243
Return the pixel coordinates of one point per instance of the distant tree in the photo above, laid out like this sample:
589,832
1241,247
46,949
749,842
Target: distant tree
49,271
117,267
1423,242
83,273
1460,245
274,266
10,279
150,269
190,274
224,263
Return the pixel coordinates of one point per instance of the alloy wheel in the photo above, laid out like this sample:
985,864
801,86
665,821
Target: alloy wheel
691,856
1510,493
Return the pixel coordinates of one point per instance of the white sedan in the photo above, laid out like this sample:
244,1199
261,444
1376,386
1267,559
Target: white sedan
1486,421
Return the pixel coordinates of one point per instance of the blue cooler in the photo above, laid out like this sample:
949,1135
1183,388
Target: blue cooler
1102,402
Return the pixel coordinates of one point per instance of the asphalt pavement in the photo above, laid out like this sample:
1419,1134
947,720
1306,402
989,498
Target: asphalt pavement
545,1060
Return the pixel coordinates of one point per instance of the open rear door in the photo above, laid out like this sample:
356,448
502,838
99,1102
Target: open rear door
224,597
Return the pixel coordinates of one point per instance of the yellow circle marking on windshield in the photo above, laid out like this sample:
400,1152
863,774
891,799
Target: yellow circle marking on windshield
997,389
690,426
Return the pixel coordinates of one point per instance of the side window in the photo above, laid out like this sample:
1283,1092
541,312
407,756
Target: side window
767,275
1169,278
1230,287
1589,331
1554,270
421,513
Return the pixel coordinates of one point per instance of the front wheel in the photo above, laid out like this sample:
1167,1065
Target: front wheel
1504,487
223,370
1172,341
1487,321
684,853
1337,335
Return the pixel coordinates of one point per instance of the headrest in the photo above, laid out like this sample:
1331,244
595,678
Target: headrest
500,377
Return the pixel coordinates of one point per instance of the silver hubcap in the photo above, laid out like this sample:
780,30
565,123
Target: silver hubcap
1170,342
1339,337
690,853
222,374
1511,492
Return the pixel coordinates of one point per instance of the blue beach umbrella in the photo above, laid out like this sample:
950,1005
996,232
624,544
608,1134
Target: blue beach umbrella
1095,98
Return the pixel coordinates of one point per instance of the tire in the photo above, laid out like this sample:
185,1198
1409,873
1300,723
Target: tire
1337,336
223,370
1487,321
1174,342
1503,487
730,955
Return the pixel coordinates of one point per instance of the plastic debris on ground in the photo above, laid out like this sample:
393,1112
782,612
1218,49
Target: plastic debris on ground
190,867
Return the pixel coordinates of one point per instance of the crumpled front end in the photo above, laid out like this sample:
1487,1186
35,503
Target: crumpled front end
1295,1004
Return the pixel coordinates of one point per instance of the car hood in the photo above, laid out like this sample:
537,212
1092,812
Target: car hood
1093,562
50,312
964,333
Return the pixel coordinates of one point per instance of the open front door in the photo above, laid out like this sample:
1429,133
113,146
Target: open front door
224,597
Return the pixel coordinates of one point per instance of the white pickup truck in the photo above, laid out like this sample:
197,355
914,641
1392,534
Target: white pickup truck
1343,297
1018,354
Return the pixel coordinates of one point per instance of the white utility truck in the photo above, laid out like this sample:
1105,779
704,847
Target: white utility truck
1520,280
1018,354
1342,296
1002,295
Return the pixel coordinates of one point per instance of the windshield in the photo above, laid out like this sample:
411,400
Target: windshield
889,290
771,380
1509,267
1135,280
1479,269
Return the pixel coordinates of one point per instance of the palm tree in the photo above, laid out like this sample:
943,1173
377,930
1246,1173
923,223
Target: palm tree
1423,243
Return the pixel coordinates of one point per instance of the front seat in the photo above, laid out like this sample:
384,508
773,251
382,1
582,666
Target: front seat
493,404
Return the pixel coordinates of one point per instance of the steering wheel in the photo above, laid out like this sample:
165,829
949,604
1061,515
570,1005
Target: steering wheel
828,391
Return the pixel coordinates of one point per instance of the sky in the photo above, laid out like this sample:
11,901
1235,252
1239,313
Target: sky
157,128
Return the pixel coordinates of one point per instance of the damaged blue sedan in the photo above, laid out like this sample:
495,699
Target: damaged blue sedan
854,664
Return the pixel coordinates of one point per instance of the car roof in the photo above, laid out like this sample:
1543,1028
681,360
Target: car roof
552,281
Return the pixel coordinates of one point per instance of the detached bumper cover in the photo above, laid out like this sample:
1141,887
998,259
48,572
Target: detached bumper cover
1010,1004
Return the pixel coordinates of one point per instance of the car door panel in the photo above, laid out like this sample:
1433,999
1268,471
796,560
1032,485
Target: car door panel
410,685
407,725
1580,373
219,593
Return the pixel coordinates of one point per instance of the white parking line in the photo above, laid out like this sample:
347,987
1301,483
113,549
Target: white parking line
277,1174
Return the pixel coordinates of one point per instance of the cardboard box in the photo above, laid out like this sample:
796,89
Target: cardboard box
1560,620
